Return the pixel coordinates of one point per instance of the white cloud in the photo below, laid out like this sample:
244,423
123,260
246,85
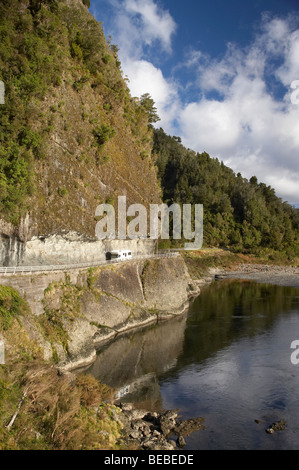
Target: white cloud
235,117
248,128
155,23
136,25
146,78
290,68
209,121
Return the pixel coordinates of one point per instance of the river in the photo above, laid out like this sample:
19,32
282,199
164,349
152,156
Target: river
228,360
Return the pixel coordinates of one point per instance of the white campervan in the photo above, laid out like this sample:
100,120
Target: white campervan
119,255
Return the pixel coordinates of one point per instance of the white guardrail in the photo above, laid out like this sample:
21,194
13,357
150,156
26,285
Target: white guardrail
66,267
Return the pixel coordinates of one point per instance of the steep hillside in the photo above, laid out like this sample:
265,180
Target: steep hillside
71,135
241,214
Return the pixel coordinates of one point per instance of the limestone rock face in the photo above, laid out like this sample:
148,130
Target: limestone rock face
166,284
107,311
63,248
123,282
90,306
81,348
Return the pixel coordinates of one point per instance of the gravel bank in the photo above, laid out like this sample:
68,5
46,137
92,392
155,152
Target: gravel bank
278,275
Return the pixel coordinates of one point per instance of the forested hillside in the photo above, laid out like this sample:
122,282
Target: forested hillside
71,135
240,214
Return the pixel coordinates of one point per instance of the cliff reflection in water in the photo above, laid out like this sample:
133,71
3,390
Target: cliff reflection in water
146,364
133,363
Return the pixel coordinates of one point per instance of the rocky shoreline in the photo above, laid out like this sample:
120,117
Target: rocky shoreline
144,430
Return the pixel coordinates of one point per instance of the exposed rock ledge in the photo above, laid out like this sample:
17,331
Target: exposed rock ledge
95,305
155,431
17,248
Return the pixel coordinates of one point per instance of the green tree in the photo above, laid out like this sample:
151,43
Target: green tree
103,133
148,104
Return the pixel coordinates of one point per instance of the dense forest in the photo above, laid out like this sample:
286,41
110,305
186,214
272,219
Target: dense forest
240,214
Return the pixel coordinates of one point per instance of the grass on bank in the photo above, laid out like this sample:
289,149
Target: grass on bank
56,411
200,262
40,407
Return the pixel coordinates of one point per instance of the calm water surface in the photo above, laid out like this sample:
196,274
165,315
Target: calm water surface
228,360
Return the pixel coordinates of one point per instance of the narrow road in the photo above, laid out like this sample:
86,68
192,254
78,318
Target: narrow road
20,270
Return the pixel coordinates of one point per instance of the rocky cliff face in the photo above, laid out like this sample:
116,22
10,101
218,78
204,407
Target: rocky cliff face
13,242
75,139
65,248
77,310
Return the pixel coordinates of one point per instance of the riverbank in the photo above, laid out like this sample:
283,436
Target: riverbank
277,275
142,350
144,430
208,264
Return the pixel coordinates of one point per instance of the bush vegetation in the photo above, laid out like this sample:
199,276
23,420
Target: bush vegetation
11,306
42,408
30,63
240,214
56,411
49,43
103,133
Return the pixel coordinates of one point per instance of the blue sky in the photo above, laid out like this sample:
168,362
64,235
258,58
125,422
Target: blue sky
220,73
